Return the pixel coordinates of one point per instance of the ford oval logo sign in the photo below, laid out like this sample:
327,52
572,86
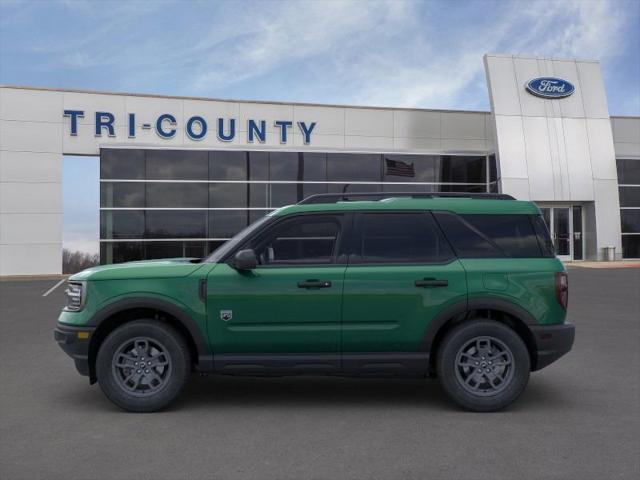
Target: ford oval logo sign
550,87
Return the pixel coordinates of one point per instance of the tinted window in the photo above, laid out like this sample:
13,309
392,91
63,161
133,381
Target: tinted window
463,169
226,223
402,238
177,165
118,252
223,195
343,167
542,232
285,166
629,196
630,221
176,224
177,195
117,195
122,164
628,171
482,236
301,240
225,165
315,167
631,246
122,224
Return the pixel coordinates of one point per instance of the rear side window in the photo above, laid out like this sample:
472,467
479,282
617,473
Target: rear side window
491,236
402,238
542,232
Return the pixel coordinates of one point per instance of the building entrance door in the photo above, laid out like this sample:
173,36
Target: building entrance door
565,226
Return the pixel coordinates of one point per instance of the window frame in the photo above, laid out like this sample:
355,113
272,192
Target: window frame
355,252
339,258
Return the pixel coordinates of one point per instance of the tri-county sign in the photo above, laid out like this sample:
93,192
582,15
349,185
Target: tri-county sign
196,127
550,87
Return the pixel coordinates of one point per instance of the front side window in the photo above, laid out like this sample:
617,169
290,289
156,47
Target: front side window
402,238
305,240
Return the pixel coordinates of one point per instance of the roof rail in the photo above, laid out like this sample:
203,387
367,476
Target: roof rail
350,197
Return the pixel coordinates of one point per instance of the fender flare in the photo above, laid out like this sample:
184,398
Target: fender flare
145,302
465,306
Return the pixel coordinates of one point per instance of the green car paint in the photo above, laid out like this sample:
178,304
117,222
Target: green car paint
369,308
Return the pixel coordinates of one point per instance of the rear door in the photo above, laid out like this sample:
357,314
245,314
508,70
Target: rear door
401,274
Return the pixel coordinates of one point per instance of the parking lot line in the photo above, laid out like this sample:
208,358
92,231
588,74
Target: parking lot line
54,287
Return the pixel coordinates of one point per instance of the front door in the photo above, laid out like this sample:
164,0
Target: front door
402,274
565,227
291,302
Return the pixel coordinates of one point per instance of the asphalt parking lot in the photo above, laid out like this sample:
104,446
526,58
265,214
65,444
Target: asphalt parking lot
578,418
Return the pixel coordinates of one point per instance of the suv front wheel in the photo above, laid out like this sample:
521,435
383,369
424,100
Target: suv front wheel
143,365
483,365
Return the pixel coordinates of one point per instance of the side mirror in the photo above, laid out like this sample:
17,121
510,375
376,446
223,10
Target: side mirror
245,260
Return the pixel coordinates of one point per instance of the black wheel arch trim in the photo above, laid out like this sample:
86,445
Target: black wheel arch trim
465,306
156,304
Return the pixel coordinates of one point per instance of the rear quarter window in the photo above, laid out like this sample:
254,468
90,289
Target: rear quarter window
491,236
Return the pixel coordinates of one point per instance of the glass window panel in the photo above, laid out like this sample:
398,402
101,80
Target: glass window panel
629,196
466,242
177,165
176,224
227,195
463,169
411,168
353,188
493,168
315,167
258,195
285,166
462,188
177,195
628,171
402,238
213,245
630,246
630,221
513,234
541,226
227,165
344,167
285,194
125,164
118,252
302,240
164,250
129,195
122,224
258,166
226,223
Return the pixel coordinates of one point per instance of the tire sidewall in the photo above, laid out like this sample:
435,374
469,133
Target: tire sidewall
176,349
446,365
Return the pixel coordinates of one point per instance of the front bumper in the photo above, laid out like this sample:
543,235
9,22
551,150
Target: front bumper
552,342
75,343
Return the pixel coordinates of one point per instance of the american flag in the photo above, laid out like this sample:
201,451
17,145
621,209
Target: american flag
399,168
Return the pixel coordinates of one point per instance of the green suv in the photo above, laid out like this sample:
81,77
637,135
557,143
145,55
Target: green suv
465,287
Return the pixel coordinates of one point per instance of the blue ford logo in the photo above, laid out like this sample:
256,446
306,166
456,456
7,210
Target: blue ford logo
550,87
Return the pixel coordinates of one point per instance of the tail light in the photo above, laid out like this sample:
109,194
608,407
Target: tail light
562,289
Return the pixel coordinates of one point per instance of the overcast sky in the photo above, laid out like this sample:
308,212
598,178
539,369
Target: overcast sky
391,53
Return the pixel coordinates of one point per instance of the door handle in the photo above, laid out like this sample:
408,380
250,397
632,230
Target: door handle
314,284
431,282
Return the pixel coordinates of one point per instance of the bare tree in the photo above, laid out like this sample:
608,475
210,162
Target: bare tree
73,262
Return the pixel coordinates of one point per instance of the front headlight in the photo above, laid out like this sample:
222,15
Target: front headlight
74,296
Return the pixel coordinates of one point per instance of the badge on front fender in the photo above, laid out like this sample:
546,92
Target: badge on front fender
226,315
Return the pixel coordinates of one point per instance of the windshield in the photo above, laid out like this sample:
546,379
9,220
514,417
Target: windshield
233,242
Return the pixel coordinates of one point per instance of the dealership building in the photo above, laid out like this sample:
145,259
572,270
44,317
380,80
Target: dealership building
179,176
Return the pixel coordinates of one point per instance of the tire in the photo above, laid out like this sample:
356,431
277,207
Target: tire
143,365
483,365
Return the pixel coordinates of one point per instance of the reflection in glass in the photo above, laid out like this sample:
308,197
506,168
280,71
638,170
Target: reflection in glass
228,195
125,164
177,195
226,165
344,167
128,195
177,165
226,223
561,235
121,224
176,224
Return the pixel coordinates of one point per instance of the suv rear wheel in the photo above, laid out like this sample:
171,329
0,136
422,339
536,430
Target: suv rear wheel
143,365
483,365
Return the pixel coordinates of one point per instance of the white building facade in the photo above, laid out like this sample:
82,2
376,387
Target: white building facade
180,175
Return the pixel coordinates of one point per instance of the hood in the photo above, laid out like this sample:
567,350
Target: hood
165,268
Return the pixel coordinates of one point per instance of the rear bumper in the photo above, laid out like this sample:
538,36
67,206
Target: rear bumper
75,345
552,342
